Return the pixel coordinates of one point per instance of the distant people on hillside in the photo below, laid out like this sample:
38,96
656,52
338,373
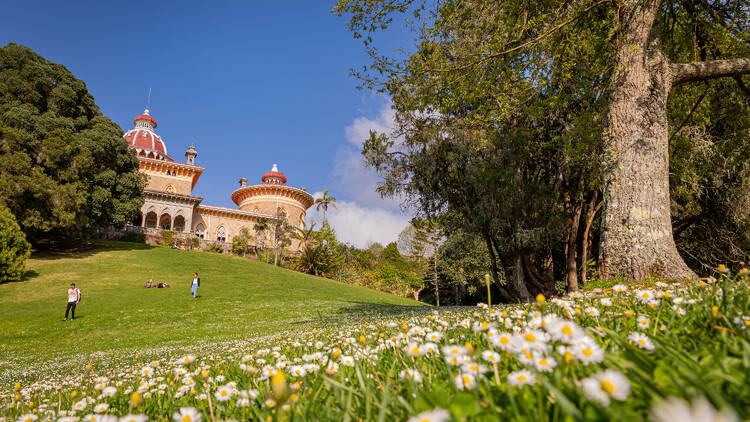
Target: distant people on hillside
162,285
74,296
194,286
149,284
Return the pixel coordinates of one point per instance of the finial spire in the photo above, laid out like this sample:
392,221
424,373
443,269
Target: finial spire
148,100
275,168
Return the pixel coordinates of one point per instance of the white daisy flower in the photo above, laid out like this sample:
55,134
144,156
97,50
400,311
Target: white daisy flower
465,381
674,409
410,374
223,393
490,356
134,418
101,408
522,377
187,414
434,415
641,340
606,385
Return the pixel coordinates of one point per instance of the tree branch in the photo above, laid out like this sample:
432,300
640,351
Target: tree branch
700,71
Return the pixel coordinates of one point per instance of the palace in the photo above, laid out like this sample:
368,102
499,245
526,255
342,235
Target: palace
171,205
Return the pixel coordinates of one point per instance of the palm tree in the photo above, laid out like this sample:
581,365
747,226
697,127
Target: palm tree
324,202
304,235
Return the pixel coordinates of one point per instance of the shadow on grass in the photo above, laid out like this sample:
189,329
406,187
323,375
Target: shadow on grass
27,275
369,310
90,249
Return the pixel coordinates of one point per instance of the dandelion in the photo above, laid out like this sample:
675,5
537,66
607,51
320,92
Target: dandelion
675,409
606,385
520,378
434,415
465,381
223,393
641,340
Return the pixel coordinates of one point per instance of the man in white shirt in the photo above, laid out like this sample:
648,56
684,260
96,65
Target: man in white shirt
74,296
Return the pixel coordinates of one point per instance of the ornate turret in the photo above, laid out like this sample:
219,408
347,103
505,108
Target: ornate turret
144,140
190,154
243,182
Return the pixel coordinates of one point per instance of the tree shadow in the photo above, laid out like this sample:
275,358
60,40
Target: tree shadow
367,310
90,249
27,275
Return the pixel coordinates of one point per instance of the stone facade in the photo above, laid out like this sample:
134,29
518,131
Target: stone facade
170,204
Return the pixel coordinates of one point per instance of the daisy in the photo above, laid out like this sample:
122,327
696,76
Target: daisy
101,408
502,341
187,360
187,414
473,368
465,381
592,312
454,351
413,350
80,405
347,360
92,418
522,377
564,330
674,409
27,418
434,336
332,368
619,288
491,356
641,340
643,322
270,403
435,415
134,418
545,364
606,385
411,374
253,394
243,402
588,352
297,371
223,393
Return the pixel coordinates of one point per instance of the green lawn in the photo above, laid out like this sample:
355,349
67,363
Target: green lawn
238,299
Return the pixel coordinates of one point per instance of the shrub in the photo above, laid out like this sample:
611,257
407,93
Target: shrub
167,238
14,249
136,237
215,247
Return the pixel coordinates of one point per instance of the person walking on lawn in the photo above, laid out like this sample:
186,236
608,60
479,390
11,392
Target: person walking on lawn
74,296
195,285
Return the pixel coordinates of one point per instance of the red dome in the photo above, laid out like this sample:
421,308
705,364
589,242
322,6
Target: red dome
145,117
274,177
144,141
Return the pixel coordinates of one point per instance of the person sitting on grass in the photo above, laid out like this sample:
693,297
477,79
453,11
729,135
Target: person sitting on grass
149,284
162,285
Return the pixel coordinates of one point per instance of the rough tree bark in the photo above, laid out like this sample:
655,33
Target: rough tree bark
591,211
493,268
519,282
637,240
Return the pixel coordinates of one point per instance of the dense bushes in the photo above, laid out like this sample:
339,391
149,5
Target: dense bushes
14,249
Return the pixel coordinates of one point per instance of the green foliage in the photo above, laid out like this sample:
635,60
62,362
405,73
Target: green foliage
65,169
14,249
131,236
167,238
214,247
242,243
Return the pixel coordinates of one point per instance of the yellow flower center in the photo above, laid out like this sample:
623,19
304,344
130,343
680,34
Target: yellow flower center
415,350
530,337
642,342
187,418
587,352
504,340
567,330
224,393
522,378
543,362
608,387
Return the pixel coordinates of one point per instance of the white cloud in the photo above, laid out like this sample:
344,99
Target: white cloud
361,226
362,216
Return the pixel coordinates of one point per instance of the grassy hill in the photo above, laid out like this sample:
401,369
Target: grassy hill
238,299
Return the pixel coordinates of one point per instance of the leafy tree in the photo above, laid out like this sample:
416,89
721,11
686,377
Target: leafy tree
594,76
242,242
65,170
14,249
260,229
324,202
282,233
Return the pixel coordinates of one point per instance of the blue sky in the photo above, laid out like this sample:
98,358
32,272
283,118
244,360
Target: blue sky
250,83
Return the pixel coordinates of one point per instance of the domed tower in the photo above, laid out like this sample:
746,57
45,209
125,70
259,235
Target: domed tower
144,140
271,194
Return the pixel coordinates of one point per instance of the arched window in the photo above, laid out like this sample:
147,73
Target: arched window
199,230
221,235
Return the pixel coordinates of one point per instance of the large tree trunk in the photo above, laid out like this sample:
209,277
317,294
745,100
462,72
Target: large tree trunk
493,268
637,239
519,282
